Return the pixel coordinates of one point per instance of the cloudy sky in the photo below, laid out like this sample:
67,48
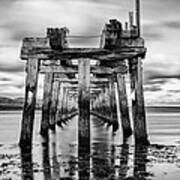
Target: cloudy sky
161,30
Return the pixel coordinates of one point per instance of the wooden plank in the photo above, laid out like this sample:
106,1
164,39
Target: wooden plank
30,102
58,69
73,70
75,86
119,56
48,80
76,53
132,43
53,106
139,115
69,53
124,109
35,42
84,105
75,81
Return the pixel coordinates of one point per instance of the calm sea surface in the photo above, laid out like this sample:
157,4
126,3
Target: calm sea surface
109,158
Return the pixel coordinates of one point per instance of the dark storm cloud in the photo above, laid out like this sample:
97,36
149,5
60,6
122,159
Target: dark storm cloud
19,86
164,76
155,81
152,35
152,32
174,24
5,79
11,69
174,91
153,88
23,18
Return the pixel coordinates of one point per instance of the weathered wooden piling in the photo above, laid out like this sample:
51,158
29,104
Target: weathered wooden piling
48,81
26,163
124,109
113,103
52,56
53,105
64,105
84,104
32,69
139,115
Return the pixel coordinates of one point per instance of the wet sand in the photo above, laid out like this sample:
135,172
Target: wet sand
110,157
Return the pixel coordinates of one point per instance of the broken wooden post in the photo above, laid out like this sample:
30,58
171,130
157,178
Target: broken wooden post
139,115
48,80
53,106
30,102
58,38
124,109
84,105
131,18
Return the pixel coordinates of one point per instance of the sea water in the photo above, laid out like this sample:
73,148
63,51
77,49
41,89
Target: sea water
110,158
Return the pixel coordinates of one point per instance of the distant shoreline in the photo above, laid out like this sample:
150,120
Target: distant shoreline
13,108
148,108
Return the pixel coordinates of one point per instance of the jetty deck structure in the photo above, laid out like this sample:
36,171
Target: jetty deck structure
73,85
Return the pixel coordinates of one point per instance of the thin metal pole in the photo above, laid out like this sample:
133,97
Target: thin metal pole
138,23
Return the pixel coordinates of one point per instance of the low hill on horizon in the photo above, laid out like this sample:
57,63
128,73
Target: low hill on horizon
7,103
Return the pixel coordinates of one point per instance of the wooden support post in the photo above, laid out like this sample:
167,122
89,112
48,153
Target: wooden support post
66,102
113,104
131,19
126,26
48,79
140,162
59,105
117,104
139,115
30,102
84,105
53,106
26,163
124,109
64,105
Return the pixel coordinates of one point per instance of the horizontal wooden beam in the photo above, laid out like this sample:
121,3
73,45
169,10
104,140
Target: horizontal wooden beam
92,93
68,54
73,70
73,90
75,86
44,42
39,48
75,81
92,88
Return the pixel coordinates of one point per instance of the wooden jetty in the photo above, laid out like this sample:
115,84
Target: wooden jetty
89,88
